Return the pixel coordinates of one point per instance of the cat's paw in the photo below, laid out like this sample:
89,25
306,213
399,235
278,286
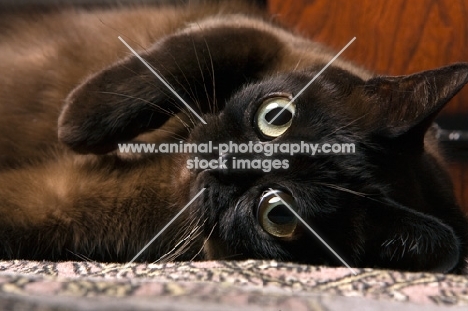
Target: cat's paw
427,245
397,237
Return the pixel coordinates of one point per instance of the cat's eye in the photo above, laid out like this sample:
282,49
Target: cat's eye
274,116
274,216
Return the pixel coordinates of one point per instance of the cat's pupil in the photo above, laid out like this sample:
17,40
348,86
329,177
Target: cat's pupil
277,110
280,215
283,118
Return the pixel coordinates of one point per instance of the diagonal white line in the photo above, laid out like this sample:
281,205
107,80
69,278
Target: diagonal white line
161,79
315,233
165,227
313,79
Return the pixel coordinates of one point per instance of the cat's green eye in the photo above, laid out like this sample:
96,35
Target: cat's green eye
275,116
274,216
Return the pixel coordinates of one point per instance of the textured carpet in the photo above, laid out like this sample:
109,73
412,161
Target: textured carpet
252,285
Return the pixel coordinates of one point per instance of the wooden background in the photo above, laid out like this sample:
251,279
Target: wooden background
392,37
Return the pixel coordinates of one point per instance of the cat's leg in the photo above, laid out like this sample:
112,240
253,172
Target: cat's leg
79,207
399,238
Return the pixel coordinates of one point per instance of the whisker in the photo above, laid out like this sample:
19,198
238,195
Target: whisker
170,113
171,74
336,187
80,256
193,231
215,107
120,33
297,64
344,126
202,76
173,134
357,193
186,126
169,87
152,83
183,86
204,242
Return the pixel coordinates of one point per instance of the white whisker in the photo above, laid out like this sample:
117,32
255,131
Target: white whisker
162,80
165,227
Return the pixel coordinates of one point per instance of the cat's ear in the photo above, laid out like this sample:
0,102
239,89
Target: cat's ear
406,106
120,102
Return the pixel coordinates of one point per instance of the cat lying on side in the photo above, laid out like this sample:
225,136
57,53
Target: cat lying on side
71,93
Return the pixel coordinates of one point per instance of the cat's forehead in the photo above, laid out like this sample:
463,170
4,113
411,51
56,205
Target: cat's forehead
316,110
311,78
304,87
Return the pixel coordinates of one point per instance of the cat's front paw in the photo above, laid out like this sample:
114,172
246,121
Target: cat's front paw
427,245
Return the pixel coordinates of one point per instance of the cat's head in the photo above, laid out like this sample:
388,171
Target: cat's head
375,158
375,180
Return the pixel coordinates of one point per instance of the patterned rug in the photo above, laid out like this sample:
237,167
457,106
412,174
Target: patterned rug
250,285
